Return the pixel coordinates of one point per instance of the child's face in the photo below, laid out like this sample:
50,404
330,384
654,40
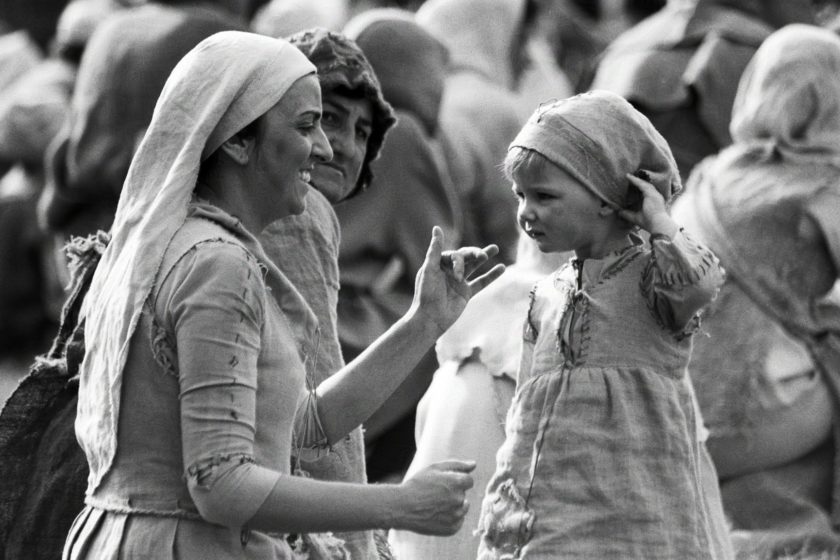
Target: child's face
560,213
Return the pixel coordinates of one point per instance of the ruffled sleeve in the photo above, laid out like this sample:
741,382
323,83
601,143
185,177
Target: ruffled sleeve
682,277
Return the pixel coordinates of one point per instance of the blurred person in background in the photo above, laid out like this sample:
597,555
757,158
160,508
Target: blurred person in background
282,18
32,111
680,67
384,230
480,112
767,373
126,64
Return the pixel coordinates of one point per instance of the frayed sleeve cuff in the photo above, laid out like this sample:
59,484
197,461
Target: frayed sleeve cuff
229,490
683,276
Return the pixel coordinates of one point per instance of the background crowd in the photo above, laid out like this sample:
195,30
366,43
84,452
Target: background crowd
754,130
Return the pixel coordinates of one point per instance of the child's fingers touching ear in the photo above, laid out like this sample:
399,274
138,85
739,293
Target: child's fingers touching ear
647,188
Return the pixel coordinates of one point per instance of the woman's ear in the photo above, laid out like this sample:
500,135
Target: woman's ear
238,148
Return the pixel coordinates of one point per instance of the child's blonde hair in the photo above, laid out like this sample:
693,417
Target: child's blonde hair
524,163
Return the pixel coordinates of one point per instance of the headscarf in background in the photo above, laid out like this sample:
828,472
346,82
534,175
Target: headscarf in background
598,137
789,97
681,67
409,61
480,113
223,84
33,110
281,18
768,207
126,63
341,67
480,34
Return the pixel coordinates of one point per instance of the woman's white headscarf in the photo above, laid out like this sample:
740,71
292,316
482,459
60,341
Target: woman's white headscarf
788,100
223,84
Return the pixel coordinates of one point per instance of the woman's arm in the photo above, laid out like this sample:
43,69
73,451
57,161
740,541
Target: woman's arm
431,502
442,289
216,306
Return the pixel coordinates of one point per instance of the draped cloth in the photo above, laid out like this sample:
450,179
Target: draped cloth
223,84
598,137
750,202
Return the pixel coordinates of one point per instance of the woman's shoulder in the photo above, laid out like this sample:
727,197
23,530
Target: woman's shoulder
207,251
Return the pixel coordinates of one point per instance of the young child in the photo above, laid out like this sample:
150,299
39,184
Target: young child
602,456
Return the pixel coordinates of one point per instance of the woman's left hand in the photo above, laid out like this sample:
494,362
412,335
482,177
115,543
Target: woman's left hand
443,286
653,215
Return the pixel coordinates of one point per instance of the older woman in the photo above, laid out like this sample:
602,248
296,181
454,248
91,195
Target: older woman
766,375
186,318
354,118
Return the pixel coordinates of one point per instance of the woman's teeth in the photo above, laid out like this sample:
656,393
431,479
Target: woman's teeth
305,176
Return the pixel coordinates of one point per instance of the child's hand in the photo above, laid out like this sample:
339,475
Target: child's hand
653,215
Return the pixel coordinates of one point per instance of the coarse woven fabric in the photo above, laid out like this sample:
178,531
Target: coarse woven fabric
305,249
341,65
603,453
598,138
765,205
224,83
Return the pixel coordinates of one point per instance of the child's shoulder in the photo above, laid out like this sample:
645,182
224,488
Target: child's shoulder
555,288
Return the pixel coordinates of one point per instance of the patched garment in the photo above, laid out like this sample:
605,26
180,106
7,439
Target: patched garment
602,453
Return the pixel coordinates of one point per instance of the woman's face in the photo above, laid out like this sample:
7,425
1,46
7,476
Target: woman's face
347,122
289,144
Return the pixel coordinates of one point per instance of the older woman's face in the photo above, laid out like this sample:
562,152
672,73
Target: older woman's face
289,145
347,122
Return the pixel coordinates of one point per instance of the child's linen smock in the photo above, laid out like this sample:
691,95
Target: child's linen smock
602,457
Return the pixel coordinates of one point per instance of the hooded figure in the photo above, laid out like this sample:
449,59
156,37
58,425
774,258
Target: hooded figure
480,113
109,113
766,376
680,67
32,112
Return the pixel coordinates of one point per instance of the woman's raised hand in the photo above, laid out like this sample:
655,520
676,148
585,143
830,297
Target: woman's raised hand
443,286
653,215
434,500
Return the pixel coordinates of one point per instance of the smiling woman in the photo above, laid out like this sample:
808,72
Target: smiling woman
270,162
187,458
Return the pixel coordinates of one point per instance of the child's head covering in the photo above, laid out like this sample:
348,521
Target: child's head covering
789,97
221,85
342,65
598,137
